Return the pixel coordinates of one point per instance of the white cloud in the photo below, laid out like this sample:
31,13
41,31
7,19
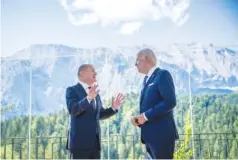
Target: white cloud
129,14
130,28
182,20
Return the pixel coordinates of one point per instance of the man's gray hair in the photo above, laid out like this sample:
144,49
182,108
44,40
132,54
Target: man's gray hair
148,52
83,67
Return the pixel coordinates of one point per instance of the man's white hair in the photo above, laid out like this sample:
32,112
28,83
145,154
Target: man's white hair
149,53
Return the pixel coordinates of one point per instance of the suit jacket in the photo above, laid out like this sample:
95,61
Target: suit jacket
84,119
157,102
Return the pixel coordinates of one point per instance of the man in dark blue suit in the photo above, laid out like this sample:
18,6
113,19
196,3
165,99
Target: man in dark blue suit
157,100
85,109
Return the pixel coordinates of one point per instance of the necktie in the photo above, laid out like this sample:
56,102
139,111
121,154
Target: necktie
93,102
144,82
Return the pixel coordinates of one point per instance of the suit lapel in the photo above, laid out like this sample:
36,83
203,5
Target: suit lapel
146,85
80,90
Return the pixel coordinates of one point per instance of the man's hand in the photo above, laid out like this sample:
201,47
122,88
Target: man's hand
141,119
93,91
118,101
134,121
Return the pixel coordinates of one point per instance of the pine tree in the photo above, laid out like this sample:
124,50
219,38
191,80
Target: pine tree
184,151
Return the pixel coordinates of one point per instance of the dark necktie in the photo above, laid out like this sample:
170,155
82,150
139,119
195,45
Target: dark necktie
144,82
93,102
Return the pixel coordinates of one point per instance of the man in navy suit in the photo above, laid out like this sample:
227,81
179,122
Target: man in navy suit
85,109
157,100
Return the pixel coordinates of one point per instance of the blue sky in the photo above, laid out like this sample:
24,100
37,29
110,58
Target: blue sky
26,22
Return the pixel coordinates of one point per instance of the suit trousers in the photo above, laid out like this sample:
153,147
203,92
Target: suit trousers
165,151
93,153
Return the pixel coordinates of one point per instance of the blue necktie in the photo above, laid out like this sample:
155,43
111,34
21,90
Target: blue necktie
144,82
94,105
93,102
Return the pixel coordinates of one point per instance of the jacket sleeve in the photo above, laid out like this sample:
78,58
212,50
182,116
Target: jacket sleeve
74,105
106,113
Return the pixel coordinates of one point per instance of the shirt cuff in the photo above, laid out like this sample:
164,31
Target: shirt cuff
145,117
115,110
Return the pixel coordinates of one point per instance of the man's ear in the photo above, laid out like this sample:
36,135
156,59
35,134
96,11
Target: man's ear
149,59
146,58
80,75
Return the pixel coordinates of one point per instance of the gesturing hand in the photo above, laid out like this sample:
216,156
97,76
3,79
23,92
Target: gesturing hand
118,101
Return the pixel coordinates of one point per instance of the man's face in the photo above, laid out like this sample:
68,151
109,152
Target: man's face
141,63
89,75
